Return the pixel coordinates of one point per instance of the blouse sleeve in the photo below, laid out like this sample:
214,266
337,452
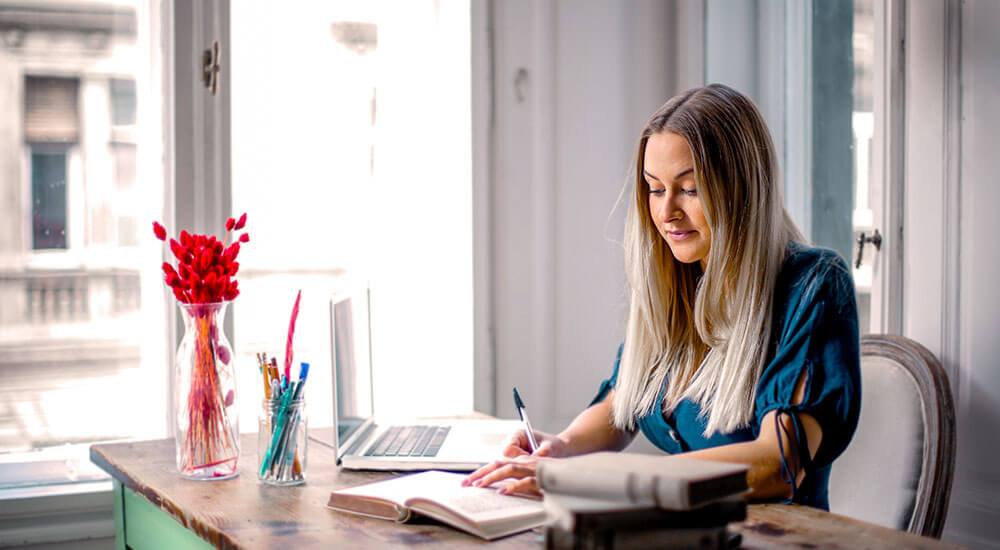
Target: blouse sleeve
819,335
609,384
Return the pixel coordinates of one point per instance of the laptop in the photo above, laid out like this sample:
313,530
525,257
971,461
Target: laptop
362,443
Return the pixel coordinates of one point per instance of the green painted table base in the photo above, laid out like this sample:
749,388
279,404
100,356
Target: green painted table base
139,525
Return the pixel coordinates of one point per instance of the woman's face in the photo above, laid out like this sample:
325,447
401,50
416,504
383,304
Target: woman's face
674,206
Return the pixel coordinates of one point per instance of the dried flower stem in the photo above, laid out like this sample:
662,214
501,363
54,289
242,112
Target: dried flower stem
208,440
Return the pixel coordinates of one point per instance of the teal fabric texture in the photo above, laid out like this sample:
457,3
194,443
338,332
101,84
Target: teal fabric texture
815,329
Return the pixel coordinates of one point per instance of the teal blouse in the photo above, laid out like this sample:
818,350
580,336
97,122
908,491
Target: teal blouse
815,328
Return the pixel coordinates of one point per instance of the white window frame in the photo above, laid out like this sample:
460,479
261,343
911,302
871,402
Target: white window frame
931,160
887,166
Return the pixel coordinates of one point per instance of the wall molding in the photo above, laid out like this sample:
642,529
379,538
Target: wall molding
951,281
797,173
481,37
544,171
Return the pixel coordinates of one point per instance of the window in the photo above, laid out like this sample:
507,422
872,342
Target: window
83,340
51,128
810,67
48,196
863,129
338,185
82,332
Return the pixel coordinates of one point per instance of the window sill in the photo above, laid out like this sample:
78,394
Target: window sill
56,513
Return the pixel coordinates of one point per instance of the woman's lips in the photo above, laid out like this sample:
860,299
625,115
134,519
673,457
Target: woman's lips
680,235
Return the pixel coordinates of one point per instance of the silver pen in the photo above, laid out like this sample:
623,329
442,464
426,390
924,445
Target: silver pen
523,413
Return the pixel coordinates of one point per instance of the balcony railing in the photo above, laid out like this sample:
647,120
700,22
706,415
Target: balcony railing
41,296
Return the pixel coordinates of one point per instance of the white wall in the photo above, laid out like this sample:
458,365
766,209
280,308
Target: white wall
591,73
951,303
975,506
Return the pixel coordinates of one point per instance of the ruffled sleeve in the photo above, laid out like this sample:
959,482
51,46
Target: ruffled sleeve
817,332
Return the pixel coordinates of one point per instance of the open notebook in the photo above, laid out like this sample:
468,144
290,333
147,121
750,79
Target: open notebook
439,495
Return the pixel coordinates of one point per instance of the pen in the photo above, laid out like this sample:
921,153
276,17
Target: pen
523,413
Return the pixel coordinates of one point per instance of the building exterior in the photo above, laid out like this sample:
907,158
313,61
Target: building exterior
69,225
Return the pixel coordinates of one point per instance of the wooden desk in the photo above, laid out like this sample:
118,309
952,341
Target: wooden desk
156,508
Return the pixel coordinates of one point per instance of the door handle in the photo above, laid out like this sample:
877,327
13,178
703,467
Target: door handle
875,238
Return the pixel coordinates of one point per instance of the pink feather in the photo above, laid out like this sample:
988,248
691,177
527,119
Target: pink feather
291,333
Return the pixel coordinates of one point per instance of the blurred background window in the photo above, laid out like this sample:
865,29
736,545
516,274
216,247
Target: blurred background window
810,67
355,165
82,330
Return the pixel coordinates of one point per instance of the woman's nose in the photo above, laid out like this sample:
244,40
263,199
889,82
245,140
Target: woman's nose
667,209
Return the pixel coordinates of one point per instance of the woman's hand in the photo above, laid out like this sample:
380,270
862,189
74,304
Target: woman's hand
591,431
519,464
520,471
548,445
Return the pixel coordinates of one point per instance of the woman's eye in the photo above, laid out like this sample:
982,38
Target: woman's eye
691,192
656,191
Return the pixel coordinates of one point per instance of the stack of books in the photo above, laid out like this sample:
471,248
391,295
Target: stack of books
627,501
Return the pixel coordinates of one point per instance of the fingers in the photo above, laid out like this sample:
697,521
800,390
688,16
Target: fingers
525,486
516,445
478,474
516,470
514,452
499,470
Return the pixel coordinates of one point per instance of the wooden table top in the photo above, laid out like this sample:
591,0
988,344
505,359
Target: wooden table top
246,513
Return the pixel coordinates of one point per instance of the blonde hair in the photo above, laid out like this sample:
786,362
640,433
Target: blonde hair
707,333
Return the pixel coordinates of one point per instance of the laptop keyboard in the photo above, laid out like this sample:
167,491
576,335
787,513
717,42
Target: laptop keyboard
409,441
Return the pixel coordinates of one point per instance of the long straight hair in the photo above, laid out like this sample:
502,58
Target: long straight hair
706,335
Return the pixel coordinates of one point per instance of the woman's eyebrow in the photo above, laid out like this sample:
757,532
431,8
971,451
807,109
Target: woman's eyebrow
650,176
684,173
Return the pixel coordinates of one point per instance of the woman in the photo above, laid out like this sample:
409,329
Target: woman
742,343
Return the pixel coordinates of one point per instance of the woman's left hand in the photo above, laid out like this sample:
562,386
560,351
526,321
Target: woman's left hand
520,469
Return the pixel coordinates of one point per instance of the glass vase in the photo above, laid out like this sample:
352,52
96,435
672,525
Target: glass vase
207,434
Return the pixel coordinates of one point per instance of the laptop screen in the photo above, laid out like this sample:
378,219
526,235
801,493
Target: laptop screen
351,362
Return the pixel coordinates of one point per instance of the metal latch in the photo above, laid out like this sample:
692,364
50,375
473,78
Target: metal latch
875,238
210,67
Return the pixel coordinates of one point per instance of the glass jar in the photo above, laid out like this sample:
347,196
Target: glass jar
282,441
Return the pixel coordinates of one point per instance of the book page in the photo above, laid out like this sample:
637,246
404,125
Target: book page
477,504
398,489
440,495
445,488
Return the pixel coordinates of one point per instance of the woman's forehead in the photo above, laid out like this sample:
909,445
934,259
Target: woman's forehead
667,154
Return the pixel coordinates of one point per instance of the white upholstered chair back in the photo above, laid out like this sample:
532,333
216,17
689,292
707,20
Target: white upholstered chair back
898,469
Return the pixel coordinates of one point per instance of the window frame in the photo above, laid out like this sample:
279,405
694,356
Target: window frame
888,170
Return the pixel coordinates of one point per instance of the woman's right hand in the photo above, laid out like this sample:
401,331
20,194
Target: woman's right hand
548,445
517,468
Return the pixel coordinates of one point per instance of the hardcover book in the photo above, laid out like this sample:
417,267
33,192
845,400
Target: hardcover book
671,482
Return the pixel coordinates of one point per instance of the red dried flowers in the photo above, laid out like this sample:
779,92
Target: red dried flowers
206,267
